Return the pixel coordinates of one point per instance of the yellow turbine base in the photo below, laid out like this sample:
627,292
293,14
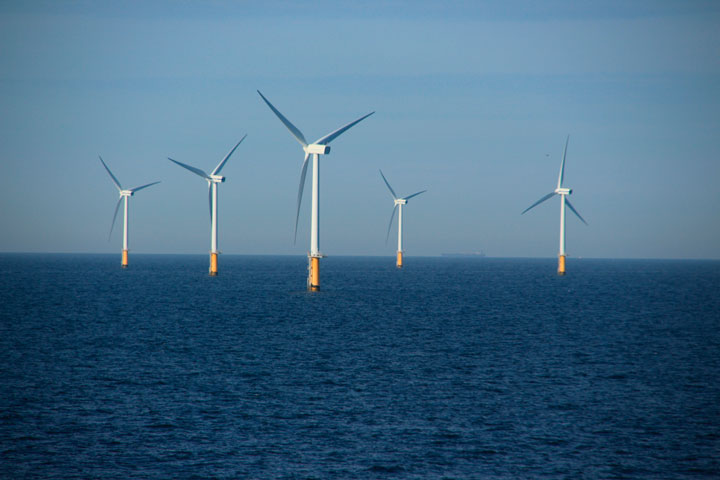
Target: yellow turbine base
124,263
213,264
314,274
561,264
399,260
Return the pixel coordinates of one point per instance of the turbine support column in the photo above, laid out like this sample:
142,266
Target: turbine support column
313,281
213,264
125,233
399,263
562,225
561,255
315,207
213,229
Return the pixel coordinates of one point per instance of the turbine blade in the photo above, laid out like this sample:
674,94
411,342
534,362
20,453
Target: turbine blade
562,165
388,185
414,195
549,195
293,129
115,180
567,202
112,225
303,172
144,186
333,135
222,164
392,217
196,171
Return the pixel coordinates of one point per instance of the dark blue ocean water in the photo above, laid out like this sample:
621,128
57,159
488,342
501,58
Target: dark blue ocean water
449,368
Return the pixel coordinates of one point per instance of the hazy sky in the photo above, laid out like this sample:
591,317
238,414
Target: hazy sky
473,102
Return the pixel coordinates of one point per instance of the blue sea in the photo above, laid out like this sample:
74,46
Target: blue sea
449,368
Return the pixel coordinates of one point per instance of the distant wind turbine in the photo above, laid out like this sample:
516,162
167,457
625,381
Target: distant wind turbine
213,179
126,194
563,192
317,148
399,201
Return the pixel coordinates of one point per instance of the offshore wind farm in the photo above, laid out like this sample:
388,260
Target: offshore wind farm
498,349
473,126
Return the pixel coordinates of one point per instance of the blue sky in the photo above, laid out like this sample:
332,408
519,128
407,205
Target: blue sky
473,103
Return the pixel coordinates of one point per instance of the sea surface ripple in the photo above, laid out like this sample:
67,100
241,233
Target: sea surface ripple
448,368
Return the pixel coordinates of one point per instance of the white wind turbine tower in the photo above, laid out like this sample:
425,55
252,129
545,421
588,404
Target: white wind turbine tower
317,148
126,194
563,192
399,202
213,179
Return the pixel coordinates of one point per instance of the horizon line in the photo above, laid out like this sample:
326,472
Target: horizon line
453,256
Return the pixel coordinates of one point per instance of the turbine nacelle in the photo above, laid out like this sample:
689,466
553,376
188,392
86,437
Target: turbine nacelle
400,201
216,179
317,149
126,193
563,191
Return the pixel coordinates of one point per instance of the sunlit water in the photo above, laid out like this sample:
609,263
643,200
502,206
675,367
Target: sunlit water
448,368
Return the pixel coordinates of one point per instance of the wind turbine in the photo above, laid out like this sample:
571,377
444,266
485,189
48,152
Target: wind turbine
399,201
563,192
317,148
213,179
126,194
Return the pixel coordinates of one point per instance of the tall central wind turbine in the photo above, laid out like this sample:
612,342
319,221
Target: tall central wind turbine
563,192
399,202
317,148
213,179
126,194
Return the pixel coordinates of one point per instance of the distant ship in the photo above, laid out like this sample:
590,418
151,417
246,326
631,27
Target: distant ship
464,255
